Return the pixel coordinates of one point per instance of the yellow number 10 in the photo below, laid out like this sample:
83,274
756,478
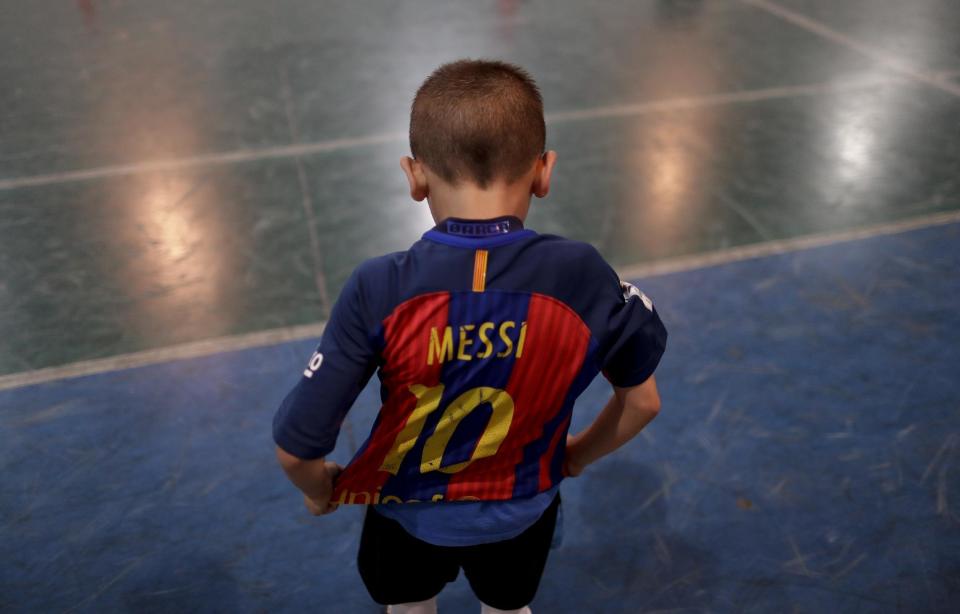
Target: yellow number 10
428,401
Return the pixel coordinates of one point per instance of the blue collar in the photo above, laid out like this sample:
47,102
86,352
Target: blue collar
478,233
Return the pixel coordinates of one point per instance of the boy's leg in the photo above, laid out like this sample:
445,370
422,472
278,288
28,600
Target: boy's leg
505,575
398,568
421,607
485,609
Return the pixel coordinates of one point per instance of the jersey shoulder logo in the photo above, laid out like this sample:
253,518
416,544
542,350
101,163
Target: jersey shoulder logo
630,290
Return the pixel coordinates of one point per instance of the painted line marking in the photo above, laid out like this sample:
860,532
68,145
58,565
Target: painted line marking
882,57
782,246
312,331
947,74
195,349
332,145
723,98
211,159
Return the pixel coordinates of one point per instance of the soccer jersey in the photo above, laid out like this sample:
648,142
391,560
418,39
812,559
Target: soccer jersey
483,334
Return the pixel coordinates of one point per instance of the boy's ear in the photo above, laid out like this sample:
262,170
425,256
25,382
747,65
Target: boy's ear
417,179
541,179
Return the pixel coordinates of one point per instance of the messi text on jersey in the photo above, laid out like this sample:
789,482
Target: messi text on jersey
476,341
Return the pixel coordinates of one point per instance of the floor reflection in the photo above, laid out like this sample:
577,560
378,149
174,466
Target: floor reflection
856,130
668,152
178,276
170,239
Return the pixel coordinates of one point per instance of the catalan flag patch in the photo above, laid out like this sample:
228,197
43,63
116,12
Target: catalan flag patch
480,270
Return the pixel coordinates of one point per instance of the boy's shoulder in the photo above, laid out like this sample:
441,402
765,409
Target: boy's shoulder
578,259
374,276
574,248
377,266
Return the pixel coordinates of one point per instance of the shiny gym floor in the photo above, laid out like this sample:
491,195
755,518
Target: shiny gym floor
185,186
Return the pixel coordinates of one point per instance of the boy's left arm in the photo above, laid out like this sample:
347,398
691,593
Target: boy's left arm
306,425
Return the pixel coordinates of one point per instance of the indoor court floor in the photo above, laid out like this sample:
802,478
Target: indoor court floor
185,186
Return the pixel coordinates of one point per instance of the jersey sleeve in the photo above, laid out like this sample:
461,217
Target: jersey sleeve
308,421
635,338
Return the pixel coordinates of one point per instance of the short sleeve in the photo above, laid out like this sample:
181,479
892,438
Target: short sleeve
635,338
308,421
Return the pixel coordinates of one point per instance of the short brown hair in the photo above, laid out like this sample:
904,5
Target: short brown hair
478,120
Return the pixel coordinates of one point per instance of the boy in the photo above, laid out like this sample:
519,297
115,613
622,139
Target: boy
483,334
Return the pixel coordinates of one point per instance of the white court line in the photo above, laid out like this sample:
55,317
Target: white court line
782,246
947,74
313,331
888,60
212,159
723,98
194,349
306,149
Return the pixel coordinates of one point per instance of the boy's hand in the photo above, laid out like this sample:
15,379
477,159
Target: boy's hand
318,505
319,508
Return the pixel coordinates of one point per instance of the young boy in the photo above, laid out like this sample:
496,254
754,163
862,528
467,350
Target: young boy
483,334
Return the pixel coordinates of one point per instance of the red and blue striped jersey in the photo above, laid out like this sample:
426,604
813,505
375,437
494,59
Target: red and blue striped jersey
483,334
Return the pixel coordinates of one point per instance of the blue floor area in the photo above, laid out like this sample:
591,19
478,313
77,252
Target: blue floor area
807,458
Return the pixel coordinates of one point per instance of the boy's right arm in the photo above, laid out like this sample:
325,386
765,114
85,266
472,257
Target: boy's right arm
624,416
306,425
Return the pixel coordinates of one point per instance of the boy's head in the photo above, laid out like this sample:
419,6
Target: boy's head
478,121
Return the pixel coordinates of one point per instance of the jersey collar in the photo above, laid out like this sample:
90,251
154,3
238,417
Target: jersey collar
478,233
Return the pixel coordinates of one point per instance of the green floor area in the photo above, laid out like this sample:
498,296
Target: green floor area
682,127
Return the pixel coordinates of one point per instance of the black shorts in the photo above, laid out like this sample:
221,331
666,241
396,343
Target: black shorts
396,567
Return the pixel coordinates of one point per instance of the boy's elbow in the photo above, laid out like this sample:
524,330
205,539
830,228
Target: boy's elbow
288,461
641,399
647,407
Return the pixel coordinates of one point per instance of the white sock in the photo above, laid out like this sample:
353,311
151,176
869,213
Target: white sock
486,609
421,607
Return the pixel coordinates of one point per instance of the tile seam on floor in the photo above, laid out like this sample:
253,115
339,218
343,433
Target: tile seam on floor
338,144
316,252
197,349
306,200
744,214
934,79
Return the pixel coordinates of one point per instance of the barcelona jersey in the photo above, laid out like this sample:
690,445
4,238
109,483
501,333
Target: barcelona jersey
482,334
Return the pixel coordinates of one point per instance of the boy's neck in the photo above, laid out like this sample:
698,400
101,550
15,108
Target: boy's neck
470,202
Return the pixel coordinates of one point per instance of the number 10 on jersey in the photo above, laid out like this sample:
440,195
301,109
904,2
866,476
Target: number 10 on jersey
428,401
